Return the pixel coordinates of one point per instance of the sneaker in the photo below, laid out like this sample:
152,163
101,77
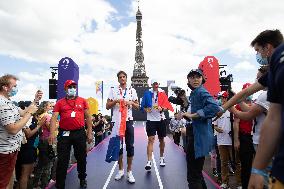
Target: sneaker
119,175
83,183
148,165
130,177
224,186
162,162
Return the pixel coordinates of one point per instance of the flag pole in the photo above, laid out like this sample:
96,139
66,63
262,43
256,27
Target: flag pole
102,95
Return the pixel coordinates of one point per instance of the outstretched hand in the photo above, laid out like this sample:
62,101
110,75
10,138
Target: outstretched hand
32,108
218,115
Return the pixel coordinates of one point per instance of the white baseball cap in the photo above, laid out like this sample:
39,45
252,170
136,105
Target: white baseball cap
154,81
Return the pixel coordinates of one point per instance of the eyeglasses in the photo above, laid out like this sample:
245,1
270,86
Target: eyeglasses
72,86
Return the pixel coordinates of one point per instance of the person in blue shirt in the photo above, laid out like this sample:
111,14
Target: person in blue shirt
264,45
271,137
199,133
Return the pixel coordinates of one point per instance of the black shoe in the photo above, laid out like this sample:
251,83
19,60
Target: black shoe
83,183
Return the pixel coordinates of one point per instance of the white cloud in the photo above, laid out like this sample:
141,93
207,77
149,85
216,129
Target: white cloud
26,92
176,35
245,66
46,30
35,77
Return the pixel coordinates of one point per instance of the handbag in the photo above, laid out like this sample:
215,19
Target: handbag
113,149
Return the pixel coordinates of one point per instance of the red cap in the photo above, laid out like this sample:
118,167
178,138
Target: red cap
246,85
224,94
69,82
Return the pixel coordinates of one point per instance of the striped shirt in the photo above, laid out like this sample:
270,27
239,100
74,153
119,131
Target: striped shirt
9,113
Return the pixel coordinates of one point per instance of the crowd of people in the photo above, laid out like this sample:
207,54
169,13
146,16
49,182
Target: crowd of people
238,132
28,156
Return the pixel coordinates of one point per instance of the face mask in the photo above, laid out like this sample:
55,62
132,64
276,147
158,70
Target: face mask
13,92
249,98
261,60
71,92
219,102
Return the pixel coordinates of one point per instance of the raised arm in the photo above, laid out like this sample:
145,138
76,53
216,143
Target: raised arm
242,95
254,111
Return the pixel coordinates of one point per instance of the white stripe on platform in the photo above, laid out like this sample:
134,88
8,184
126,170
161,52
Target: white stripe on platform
155,166
157,172
110,175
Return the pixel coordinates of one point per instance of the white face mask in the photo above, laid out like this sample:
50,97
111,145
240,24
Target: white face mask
71,92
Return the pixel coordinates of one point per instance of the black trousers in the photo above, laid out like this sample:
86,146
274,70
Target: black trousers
78,140
129,139
246,155
176,137
194,165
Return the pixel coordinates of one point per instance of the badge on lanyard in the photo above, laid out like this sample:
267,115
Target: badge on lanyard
73,114
155,105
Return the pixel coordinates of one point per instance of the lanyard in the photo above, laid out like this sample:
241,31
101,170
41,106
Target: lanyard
73,107
156,99
120,89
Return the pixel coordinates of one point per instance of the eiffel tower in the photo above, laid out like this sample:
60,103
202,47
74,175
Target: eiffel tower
139,78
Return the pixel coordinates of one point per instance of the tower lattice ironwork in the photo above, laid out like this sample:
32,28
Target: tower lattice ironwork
139,78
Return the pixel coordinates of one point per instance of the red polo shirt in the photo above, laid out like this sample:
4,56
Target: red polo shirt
245,127
65,107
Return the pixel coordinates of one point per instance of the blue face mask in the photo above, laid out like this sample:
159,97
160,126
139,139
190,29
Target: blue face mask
249,98
261,60
71,92
13,92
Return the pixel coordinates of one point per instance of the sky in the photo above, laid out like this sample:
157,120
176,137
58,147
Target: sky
99,35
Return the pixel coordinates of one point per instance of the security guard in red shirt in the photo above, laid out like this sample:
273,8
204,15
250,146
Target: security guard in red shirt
73,111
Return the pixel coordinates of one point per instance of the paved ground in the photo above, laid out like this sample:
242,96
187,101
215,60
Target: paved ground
172,176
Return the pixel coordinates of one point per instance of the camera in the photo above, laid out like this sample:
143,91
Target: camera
226,84
179,92
180,98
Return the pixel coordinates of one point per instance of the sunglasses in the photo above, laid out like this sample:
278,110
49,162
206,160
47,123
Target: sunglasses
72,86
